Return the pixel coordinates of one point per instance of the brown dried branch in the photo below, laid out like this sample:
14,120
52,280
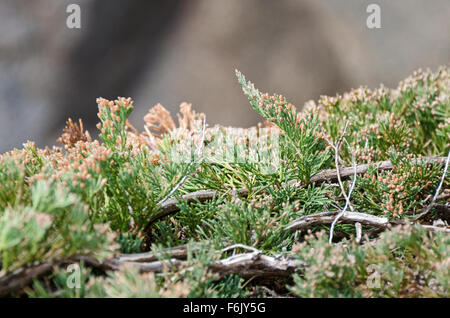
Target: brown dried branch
245,265
432,228
178,252
156,266
158,121
256,264
252,264
23,277
381,223
170,206
330,175
72,133
442,210
187,117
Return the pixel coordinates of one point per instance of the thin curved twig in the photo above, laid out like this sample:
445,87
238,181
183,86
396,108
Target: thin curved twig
442,179
337,147
347,200
432,204
245,247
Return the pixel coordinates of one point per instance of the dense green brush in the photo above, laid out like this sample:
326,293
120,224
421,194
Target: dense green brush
96,198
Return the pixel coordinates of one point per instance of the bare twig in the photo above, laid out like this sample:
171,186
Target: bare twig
432,228
255,264
330,175
336,147
347,199
381,223
442,179
443,196
272,294
305,222
246,265
442,208
178,252
156,266
170,206
358,230
245,247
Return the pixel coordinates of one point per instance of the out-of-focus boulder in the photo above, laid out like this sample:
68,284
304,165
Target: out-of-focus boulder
174,51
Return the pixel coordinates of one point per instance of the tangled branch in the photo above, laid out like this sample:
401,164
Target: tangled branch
170,207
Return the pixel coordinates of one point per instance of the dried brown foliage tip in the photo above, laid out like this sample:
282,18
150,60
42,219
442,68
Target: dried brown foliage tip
72,133
188,116
158,120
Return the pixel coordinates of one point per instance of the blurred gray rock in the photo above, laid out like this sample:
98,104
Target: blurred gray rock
174,51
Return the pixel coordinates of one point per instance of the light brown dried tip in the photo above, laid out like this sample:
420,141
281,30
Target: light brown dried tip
158,120
72,133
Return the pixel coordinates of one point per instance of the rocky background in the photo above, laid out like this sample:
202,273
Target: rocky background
186,50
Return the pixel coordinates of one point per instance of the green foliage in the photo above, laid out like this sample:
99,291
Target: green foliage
56,225
303,149
250,224
406,188
97,197
128,243
14,188
412,119
127,283
403,262
113,116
